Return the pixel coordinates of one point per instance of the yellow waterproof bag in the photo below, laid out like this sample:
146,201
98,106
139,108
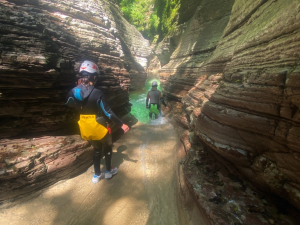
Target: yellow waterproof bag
90,129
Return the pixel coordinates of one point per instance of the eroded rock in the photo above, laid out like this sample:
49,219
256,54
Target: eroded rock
31,164
234,74
42,44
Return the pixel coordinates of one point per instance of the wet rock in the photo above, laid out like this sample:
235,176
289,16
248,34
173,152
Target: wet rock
235,201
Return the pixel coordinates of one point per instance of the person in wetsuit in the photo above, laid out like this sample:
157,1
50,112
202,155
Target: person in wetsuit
154,96
94,112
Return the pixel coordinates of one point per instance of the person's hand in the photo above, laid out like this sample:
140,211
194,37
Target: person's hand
147,106
125,128
167,108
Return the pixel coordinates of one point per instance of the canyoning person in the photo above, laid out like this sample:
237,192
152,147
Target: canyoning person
155,97
94,115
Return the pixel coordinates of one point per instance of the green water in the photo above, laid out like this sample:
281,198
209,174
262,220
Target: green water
138,101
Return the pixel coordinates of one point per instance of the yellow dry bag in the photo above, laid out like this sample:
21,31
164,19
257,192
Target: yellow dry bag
90,129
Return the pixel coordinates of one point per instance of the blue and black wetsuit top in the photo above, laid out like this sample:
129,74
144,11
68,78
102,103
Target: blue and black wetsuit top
91,102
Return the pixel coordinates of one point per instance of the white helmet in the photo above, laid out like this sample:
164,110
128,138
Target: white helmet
154,84
89,67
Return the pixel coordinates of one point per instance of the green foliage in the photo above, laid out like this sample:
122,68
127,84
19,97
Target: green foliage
167,11
140,14
151,17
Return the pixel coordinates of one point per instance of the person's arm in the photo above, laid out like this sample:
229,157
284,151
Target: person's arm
110,114
70,101
162,101
147,100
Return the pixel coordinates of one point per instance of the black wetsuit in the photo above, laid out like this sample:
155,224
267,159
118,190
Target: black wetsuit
92,102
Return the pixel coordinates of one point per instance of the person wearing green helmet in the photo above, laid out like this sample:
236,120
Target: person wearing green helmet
94,115
154,96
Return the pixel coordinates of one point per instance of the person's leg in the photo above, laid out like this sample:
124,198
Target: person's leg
157,111
97,156
107,151
108,155
97,160
159,108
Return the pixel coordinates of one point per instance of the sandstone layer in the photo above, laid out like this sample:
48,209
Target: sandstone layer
42,44
232,77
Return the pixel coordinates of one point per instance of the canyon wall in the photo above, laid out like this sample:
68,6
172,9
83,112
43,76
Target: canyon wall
231,75
42,44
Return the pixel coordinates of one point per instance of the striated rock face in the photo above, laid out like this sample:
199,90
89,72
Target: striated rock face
29,164
42,44
136,49
196,40
235,71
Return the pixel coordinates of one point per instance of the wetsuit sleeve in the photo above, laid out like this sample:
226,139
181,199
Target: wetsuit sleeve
162,100
102,104
70,101
147,100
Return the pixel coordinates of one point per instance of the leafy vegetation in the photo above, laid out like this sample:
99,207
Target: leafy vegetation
153,18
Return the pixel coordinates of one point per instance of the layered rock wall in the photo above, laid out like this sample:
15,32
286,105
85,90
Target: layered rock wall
236,73
27,165
42,44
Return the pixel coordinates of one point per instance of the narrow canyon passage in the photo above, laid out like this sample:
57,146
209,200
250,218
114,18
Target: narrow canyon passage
229,72
143,191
